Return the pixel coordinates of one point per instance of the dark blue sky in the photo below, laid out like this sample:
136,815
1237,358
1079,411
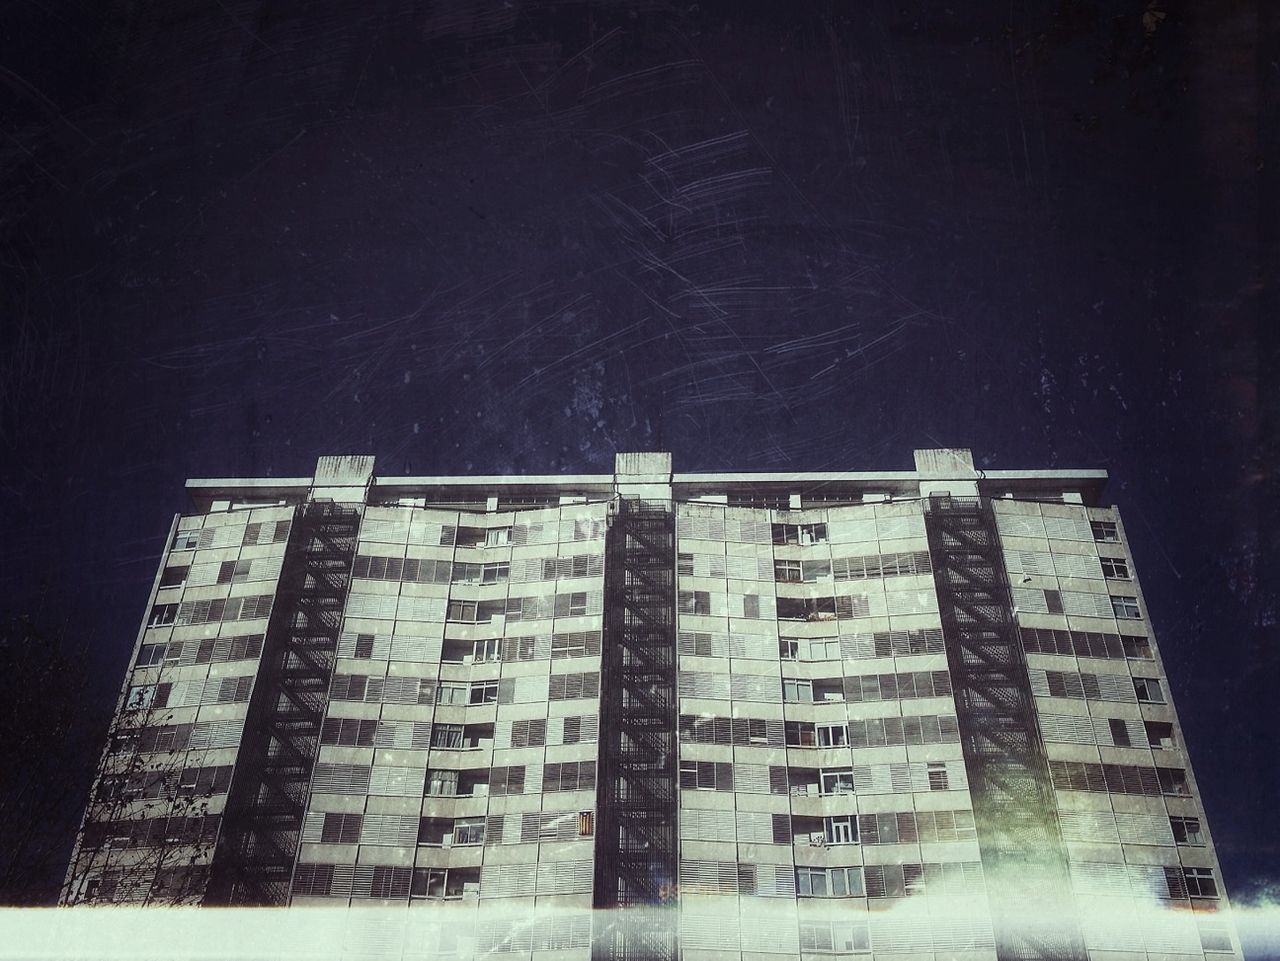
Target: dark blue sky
515,237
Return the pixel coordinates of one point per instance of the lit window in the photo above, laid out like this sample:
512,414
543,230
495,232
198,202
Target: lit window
1126,608
1115,567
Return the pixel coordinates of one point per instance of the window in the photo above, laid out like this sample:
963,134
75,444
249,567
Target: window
1105,531
1200,882
799,533
838,781
432,831
446,736
1053,601
486,650
428,883
1119,732
1126,608
1173,780
363,647
1159,734
1115,567
840,830
571,605
695,602
811,571
797,690
484,692
143,696
835,937
572,730
786,571
186,540
1136,648
452,694
497,537
530,733
464,611
800,734
150,655
495,572
937,771
1186,830
468,831
1215,936
175,576
1148,690
234,572
684,563
442,783
706,775
829,882
827,649
788,649
586,824
162,615
751,605
833,735
341,829
506,780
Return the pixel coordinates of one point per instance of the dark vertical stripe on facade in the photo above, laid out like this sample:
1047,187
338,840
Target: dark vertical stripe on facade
1023,857
636,849
262,826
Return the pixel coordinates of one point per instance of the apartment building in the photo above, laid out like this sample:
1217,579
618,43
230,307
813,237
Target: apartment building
721,717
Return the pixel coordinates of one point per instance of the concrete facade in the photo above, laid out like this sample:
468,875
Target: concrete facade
825,798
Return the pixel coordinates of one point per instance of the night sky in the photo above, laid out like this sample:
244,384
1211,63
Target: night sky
516,237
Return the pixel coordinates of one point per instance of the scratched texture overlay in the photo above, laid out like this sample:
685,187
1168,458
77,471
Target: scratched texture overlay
508,236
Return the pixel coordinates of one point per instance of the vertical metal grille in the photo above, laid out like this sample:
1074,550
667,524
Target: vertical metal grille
1023,857
253,864
636,846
